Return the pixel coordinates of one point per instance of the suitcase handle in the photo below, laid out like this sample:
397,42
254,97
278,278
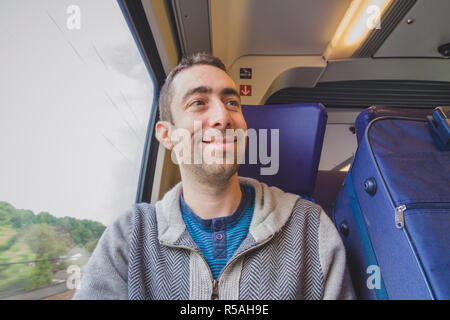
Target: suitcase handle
439,124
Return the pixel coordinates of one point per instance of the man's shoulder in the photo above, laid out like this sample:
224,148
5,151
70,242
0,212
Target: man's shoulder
136,214
143,208
141,212
307,205
306,213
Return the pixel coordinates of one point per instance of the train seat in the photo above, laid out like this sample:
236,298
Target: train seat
328,185
299,130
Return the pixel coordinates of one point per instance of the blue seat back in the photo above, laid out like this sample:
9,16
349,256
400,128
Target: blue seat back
301,131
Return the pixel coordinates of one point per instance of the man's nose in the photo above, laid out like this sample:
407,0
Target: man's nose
220,118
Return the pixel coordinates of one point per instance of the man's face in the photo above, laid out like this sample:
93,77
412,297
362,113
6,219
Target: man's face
206,103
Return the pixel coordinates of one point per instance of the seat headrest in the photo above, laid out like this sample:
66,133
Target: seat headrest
301,129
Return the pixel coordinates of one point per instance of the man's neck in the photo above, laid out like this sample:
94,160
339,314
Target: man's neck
212,201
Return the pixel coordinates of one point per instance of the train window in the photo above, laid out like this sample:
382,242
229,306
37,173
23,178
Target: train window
75,101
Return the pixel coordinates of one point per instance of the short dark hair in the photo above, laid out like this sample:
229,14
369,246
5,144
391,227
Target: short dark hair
165,95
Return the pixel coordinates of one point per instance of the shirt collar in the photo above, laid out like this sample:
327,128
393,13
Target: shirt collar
273,208
216,224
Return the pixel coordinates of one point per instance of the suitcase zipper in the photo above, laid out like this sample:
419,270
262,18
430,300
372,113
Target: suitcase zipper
400,210
400,224
400,216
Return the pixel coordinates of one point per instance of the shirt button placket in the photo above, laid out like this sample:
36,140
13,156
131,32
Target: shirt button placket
219,241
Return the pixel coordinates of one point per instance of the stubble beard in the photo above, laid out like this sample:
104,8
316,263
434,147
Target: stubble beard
213,174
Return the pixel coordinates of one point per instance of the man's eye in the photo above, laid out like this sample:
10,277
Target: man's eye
233,103
197,103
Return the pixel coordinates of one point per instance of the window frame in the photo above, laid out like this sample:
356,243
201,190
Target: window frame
134,14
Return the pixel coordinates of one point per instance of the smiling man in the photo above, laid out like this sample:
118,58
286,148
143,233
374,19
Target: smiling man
215,235
205,95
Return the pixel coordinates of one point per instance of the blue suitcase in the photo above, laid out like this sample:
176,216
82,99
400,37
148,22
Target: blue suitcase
393,212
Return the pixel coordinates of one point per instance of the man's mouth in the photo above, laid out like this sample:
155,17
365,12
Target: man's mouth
219,141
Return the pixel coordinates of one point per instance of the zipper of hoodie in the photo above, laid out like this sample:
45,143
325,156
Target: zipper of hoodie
400,210
215,282
231,261
215,293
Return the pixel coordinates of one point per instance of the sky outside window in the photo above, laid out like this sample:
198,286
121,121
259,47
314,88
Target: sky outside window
74,107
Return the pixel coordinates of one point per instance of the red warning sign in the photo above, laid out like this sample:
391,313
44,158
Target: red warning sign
245,90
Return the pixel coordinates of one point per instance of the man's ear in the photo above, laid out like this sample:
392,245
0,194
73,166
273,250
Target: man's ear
163,129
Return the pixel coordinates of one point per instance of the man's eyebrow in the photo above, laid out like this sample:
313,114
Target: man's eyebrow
229,91
196,90
203,89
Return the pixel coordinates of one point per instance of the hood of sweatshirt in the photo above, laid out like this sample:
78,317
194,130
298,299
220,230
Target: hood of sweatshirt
273,207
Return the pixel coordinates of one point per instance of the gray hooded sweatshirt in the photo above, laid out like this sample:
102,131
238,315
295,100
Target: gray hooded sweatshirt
292,251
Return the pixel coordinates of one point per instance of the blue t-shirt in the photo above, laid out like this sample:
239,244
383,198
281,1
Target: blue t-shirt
219,238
